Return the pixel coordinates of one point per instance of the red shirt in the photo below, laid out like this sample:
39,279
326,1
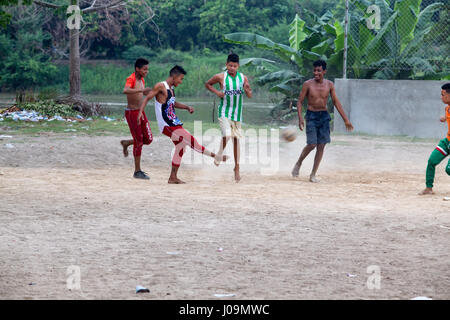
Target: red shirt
131,81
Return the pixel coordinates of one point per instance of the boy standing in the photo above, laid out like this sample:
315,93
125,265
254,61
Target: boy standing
443,148
142,134
233,84
168,122
317,118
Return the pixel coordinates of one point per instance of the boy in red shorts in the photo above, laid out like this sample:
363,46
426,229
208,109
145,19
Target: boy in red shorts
142,134
168,122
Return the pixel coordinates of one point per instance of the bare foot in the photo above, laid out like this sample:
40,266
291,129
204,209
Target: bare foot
218,159
125,148
426,191
312,178
237,176
175,181
295,171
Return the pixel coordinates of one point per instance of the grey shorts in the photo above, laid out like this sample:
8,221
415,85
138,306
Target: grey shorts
317,127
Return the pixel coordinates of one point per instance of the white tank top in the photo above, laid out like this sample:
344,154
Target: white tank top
165,113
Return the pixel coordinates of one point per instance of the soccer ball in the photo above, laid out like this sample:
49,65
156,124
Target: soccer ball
289,134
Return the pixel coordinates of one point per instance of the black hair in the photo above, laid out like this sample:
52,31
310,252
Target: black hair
177,70
140,63
233,57
446,87
320,63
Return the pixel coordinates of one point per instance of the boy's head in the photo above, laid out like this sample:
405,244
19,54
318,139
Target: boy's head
141,67
177,73
319,69
232,64
445,93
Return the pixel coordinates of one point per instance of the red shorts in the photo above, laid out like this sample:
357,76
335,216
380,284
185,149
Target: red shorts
142,134
181,138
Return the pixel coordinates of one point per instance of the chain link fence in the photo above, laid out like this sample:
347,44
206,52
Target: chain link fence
398,39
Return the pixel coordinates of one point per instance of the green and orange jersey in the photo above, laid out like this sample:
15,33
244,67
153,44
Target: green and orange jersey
447,114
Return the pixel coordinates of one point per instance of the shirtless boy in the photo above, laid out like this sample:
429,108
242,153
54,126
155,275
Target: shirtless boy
168,122
317,91
142,134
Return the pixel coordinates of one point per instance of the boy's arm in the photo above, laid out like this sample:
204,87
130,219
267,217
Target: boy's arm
338,105
247,89
210,85
179,105
301,98
153,92
444,117
128,90
146,91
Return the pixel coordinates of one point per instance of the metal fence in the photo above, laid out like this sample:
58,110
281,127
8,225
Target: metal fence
397,39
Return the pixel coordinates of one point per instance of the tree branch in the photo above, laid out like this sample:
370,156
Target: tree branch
47,4
106,6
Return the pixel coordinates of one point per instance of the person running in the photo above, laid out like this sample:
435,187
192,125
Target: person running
233,84
316,91
443,148
142,134
168,122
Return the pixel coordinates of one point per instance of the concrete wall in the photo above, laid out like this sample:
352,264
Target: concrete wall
392,107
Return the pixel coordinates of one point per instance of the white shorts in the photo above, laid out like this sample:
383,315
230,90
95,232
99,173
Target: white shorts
230,128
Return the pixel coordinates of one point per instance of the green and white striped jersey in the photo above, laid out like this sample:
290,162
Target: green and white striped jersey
231,104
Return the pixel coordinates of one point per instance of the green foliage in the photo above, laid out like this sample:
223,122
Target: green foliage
296,33
22,65
136,52
23,61
397,50
204,22
323,40
49,108
5,17
173,56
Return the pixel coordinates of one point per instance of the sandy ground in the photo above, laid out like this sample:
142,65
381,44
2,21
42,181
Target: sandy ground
72,202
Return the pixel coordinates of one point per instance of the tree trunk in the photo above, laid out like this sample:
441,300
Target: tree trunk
74,61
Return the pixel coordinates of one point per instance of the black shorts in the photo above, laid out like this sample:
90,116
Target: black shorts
317,127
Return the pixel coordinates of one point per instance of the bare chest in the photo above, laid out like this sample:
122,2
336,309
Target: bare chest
318,91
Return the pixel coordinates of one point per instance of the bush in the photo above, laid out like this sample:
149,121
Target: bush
49,108
173,56
135,52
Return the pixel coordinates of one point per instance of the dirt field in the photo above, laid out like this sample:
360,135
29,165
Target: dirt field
72,202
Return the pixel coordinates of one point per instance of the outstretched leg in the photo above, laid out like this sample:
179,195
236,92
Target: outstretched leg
306,150
182,138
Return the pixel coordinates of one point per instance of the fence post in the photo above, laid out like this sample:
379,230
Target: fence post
344,75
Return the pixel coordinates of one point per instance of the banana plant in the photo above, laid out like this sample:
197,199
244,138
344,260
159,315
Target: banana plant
307,44
393,51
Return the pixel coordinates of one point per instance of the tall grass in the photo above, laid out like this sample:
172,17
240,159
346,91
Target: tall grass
109,78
